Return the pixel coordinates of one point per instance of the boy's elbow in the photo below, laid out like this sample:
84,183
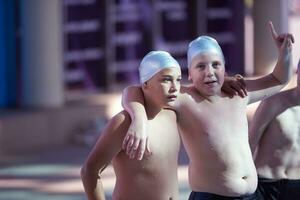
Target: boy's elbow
86,169
83,172
131,88
285,80
90,170
282,80
288,76
128,93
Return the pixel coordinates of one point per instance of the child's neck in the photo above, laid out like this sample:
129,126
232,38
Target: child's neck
151,108
211,98
214,98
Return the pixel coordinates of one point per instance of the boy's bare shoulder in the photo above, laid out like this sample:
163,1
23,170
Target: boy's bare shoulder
189,93
170,112
272,106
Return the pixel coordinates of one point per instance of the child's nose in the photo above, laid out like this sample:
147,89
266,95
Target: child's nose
210,71
173,87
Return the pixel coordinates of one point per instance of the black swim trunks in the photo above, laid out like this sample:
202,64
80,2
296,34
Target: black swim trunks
210,196
283,189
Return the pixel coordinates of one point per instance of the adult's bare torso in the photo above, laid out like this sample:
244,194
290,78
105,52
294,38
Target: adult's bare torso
278,156
155,176
215,136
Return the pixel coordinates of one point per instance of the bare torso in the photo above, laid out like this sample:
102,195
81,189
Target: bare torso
155,176
278,155
215,135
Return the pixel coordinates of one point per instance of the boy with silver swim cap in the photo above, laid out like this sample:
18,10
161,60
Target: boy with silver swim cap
156,176
154,62
203,44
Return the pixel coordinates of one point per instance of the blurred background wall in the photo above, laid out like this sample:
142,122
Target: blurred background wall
63,63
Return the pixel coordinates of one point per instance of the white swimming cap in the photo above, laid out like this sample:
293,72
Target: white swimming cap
203,44
154,62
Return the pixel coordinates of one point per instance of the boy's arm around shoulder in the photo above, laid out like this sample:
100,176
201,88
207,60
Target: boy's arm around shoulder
106,148
135,142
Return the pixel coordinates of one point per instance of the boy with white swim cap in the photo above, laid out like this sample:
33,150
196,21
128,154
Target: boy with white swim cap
157,60
154,177
214,127
203,44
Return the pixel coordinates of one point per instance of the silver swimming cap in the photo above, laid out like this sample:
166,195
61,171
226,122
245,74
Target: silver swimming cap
154,62
203,44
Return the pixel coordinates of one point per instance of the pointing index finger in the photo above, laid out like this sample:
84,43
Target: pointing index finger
273,31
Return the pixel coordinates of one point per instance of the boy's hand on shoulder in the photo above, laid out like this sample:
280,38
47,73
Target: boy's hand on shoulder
136,140
235,86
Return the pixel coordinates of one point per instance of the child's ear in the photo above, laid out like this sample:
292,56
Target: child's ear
145,85
189,77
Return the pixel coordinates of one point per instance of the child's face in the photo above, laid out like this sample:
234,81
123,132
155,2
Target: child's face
207,73
164,86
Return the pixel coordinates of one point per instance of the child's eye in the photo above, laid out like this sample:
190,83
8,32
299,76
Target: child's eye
216,64
166,79
200,66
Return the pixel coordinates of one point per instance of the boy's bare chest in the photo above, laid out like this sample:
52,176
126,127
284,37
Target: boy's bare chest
163,138
221,110
288,123
213,118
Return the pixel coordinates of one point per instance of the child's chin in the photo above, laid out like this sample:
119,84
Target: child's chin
171,103
211,92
